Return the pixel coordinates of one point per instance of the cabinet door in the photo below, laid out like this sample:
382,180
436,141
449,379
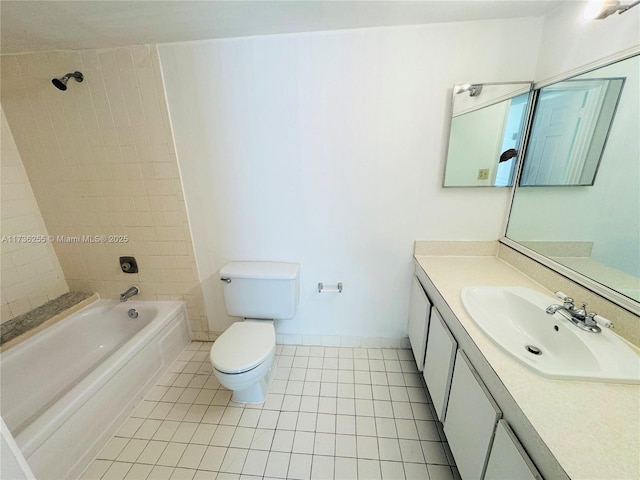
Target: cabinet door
508,460
470,421
438,364
418,321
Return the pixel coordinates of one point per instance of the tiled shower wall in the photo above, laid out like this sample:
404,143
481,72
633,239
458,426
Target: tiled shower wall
31,273
102,165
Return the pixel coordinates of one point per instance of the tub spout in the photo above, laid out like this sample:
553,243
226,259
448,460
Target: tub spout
131,291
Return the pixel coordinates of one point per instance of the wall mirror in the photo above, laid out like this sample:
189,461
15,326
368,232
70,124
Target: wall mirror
485,134
571,123
594,230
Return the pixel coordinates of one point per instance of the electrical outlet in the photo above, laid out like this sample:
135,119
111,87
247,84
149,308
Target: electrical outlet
483,174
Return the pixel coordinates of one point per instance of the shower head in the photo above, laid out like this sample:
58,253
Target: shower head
61,83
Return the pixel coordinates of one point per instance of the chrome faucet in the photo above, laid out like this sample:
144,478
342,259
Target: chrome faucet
578,316
131,291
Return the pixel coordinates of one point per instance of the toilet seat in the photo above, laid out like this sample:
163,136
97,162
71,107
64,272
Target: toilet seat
243,346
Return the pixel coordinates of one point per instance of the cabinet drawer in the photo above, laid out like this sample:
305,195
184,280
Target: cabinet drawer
419,308
438,364
508,460
470,421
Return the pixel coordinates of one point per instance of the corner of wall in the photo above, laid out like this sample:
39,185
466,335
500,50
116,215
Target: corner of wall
31,272
570,44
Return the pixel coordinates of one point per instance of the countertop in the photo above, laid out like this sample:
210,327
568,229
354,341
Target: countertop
592,428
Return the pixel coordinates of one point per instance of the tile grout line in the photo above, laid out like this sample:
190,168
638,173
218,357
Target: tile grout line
371,416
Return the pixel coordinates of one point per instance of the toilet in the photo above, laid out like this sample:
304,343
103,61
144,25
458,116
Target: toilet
243,356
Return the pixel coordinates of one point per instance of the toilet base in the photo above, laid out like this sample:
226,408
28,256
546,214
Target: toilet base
256,393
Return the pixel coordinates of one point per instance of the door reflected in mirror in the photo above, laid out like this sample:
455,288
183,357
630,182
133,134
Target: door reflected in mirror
485,135
593,230
571,124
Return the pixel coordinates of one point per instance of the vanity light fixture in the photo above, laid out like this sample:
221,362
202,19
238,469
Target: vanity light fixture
473,89
599,9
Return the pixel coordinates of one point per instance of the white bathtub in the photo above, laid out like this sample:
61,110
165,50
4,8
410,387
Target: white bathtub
67,389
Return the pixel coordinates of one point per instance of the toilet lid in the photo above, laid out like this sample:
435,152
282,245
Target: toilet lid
243,346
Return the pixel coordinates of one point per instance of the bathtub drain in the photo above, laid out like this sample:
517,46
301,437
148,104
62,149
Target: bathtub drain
534,350
133,313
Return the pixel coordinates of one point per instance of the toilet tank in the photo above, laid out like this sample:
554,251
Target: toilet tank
267,290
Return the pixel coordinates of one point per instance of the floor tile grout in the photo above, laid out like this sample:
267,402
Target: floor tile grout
331,412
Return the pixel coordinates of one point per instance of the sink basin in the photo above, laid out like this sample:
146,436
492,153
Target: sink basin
515,319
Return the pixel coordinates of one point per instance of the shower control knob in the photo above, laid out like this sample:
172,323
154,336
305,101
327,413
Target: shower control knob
128,265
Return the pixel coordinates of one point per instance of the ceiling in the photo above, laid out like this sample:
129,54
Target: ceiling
36,25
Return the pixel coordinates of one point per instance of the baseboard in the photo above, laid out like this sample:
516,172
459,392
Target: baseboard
342,341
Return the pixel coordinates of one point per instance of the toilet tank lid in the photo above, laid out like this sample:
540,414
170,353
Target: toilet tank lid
261,270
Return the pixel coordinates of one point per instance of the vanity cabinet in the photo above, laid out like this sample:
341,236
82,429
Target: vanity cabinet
438,364
476,399
471,419
419,308
508,460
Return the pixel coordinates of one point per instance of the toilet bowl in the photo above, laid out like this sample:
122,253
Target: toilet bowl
243,356
243,359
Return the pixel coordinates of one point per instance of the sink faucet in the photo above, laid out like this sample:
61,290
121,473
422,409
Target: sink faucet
578,316
131,291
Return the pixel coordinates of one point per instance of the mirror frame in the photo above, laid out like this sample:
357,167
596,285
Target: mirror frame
523,136
598,288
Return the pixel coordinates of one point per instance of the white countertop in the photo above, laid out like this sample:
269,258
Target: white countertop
592,428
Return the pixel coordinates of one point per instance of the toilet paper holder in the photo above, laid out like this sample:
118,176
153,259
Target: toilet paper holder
322,288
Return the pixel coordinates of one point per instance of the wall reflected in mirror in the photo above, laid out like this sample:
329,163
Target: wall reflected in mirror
594,230
485,135
570,127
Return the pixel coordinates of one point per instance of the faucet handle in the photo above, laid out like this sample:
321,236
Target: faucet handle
568,301
589,318
603,322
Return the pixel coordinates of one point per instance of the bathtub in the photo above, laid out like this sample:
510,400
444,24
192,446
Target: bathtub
67,389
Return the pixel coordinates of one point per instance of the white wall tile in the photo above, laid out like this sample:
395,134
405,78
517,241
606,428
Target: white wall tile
31,272
99,163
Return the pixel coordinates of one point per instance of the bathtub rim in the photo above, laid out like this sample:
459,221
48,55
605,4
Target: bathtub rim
51,322
92,318
42,428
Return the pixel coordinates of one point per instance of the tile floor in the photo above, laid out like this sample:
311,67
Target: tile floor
343,413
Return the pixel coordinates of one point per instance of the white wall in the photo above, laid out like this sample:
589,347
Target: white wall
327,149
569,42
